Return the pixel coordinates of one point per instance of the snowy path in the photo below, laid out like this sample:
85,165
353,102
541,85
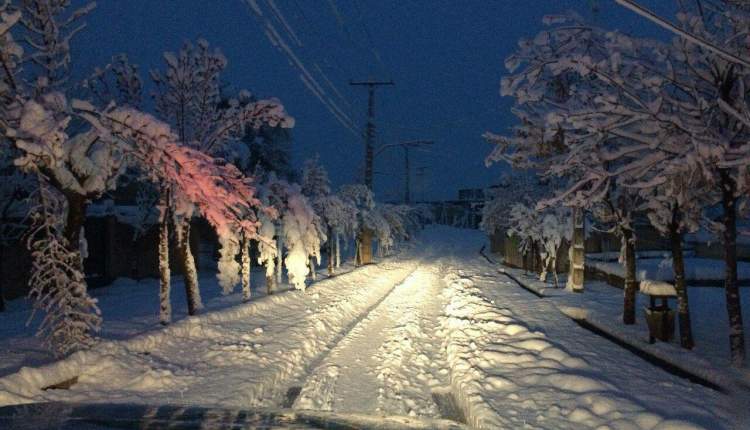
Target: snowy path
393,339
239,357
516,361
388,364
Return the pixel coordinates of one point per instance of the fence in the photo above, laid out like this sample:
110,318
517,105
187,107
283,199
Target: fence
114,251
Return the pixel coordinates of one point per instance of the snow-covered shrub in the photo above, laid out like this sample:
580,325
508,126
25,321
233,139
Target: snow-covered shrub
338,213
298,231
358,195
524,223
267,251
378,224
228,273
555,228
301,237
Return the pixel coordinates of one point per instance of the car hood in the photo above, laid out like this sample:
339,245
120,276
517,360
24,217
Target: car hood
91,416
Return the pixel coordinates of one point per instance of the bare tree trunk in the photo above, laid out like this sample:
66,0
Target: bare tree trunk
357,252
74,220
270,284
330,251
577,253
525,258
246,266
280,257
628,309
545,267
2,277
338,250
678,264
734,310
554,271
165,283
187,262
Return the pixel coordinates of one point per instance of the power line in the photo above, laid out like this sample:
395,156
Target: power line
339,66
305,76
368,35
406,146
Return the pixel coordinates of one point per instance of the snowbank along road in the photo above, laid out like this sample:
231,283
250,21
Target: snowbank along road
434,332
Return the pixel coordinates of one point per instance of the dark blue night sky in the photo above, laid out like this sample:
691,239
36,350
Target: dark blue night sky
446,58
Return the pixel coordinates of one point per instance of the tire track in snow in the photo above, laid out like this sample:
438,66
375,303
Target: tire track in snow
388,363
244,356
317,385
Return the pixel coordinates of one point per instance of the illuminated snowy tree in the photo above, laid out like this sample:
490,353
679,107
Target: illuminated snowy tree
338,215
188,96
297,231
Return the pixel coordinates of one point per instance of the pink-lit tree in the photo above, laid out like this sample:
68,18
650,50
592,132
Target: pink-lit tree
188,96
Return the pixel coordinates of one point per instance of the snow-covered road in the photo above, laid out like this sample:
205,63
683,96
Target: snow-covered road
389,363
435,332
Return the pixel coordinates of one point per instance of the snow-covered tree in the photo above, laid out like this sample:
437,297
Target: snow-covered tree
524,223
69,161
590,105
658,105
534,145
76,163
188,95
554,229
315,182
199,183
360,197
297,231
302,237
709,88
338,215
57,283
674,208
400,225
268,253
375,221
512,188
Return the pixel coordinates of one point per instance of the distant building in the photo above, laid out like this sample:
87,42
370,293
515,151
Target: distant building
471,195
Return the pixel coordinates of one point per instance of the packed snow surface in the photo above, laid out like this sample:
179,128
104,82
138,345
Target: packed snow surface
433,332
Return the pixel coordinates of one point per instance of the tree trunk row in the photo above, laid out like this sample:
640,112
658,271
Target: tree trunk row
631,286
577,253
678,264
734,311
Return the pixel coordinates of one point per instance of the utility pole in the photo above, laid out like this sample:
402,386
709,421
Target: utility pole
407,145
420,174
370,133
407,179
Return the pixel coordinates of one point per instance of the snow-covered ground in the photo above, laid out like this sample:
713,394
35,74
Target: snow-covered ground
417,334
129,307
660,269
